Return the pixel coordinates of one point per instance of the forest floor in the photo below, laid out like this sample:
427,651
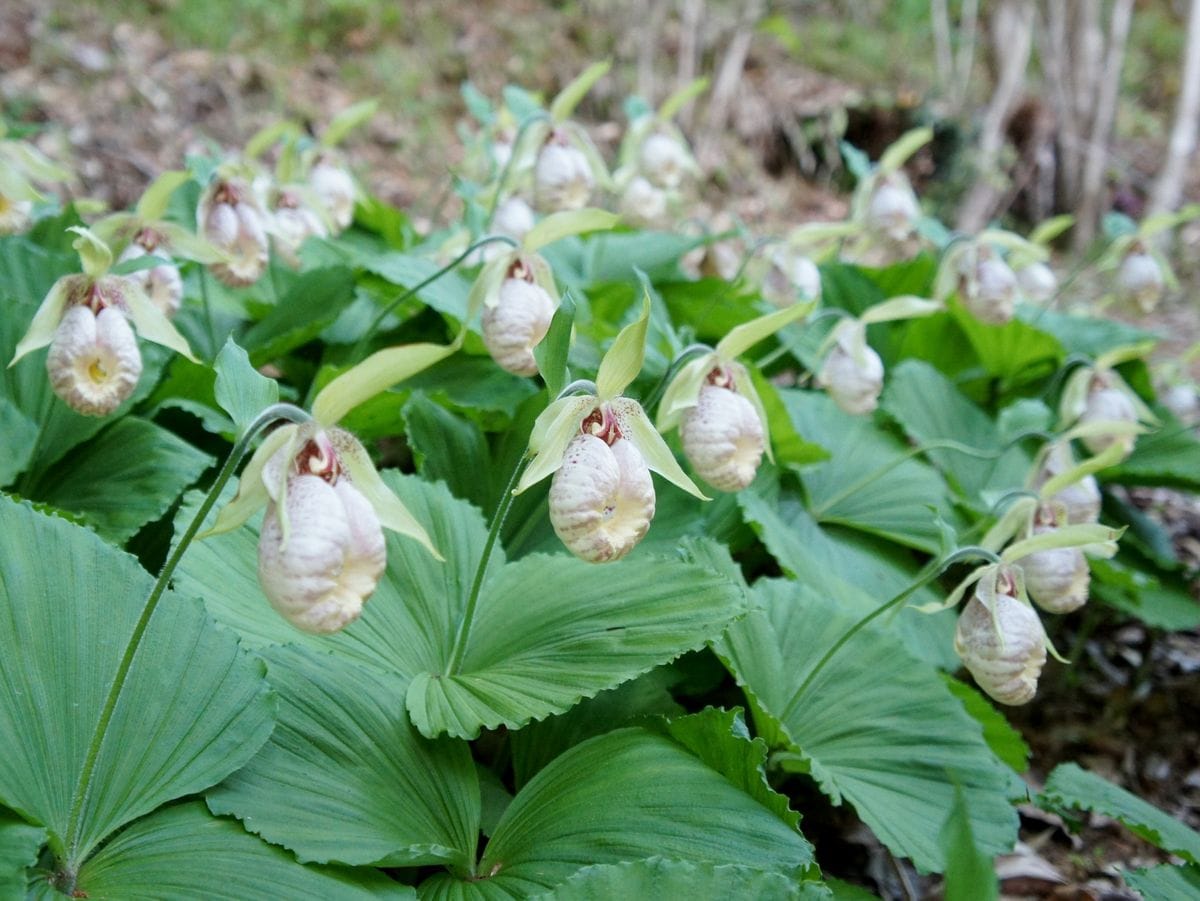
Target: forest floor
124,101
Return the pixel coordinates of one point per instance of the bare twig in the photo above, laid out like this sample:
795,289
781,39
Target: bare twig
1168,189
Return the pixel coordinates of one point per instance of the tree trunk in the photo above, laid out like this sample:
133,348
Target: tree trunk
1168,189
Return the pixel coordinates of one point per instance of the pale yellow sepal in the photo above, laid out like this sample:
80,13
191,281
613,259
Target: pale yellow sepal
742,337
45,320
1015,518
349,119
636,426
684,390
907,306
568,222
94,254
375,374
903,147
624,359
552,432
152,323
1110,456
152,205
1095,540
681,98
252,492
568,98
390,509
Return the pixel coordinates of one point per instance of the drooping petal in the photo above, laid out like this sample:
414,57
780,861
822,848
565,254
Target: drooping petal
742,337
152,323
390,509
252,490
48,315
552,432
684,390
636,426
376,373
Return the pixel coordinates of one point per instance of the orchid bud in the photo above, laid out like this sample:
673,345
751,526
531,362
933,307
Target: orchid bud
1057,579
852,373
1037,282
292,222
642,204
562,176
601,498
94,363
335,188
163,283
990,292
790,277
1080,499
893,209
723,437
517,322
231,220
1107,403
319,569
1141,279
663,160
1000,639
15,215
1182,401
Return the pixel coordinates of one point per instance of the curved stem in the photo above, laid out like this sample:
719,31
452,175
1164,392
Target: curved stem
682,357
266,417
540,116
934,569
357,352
464,628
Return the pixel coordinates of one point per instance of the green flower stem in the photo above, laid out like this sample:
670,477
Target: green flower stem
268,416
357,353
692,350
208,314
934,569
464,627
540,116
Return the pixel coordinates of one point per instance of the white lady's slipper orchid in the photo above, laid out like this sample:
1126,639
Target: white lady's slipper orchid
723,436
1141,278
514,218
893,210
1056,579
335,187
15,215
94,363
790,277
664,160
852,373
643,204
1080,498
1037,281
321,549
562,176
230,218
1107,403
293,220
986,285
517,321
1000,638
713,402
601,499
162,283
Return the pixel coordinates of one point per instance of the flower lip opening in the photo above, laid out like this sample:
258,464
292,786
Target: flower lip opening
519,269
318,458
602,424
227,192
721,377
148,239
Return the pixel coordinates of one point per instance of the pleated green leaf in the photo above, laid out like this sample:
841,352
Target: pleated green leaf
183,852
192,708
871,481
551,630
117,491
660,878
1165,882
633,794
874,726
19,845
346,779
1072,788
